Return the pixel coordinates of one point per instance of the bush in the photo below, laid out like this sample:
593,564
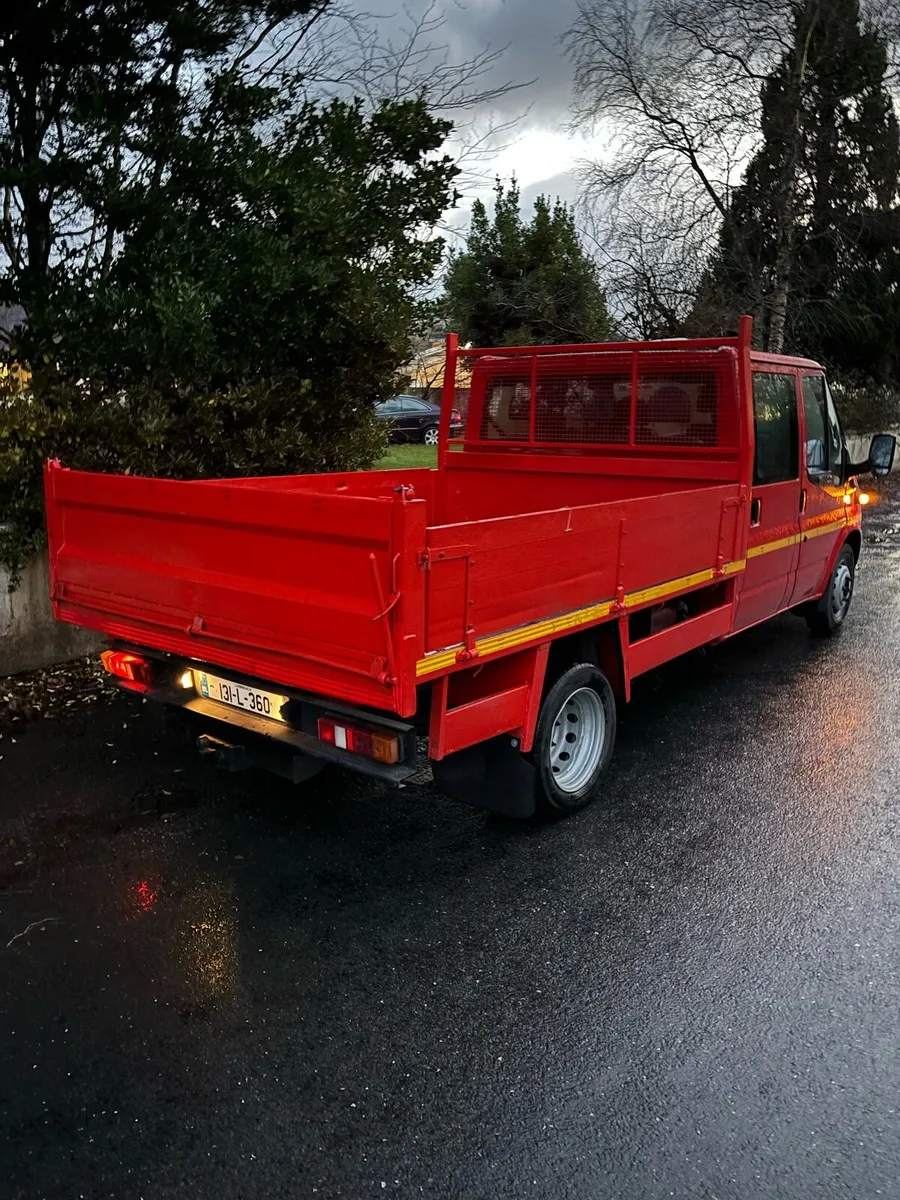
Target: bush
270,426
263,298
866,407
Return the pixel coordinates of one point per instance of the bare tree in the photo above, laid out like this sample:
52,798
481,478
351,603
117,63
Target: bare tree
787,207
346,52
650,253
671,104
674,88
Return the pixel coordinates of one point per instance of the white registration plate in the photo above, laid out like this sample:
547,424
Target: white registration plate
239,695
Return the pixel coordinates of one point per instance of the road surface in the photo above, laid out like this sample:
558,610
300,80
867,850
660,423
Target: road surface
221,987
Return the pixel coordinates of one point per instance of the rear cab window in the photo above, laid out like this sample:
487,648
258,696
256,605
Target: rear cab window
613,404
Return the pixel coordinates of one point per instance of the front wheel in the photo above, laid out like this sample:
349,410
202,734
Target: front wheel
827,616
574,740
430,436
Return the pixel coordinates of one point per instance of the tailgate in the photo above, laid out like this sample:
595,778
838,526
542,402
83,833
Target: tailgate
320,591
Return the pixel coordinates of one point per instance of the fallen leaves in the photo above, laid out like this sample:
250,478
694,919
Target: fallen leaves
54,691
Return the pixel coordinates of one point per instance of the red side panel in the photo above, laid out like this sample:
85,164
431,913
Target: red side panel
503,696
289,585
679,639
490,576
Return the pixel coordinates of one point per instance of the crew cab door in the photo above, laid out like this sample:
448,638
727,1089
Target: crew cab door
774,515
822,513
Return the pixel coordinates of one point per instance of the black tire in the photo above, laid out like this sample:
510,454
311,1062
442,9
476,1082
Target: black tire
581,694
826,617
432,429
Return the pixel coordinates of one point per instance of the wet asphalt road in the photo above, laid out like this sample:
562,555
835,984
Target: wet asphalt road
236,989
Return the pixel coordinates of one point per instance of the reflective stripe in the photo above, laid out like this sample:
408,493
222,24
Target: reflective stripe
768,547
809,532
439,660
818,530
666,589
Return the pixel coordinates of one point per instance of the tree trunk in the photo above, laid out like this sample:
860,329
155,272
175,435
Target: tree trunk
784,264
784,256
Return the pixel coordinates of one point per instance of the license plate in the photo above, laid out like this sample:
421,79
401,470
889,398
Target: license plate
238,695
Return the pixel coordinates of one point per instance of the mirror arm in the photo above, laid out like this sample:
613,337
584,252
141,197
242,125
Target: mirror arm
849,469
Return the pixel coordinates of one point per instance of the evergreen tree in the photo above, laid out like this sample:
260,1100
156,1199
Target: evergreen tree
524,283
810,244
213,276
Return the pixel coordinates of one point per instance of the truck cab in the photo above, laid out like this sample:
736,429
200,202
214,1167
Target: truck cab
803,505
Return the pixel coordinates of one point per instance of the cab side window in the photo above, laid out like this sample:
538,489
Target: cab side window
777,433
824,442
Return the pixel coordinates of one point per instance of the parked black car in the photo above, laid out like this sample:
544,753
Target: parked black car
414,420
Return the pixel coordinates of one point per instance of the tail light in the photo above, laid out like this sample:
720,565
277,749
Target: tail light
380,744
125,665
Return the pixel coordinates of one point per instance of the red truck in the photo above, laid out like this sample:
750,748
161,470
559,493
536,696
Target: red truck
605,509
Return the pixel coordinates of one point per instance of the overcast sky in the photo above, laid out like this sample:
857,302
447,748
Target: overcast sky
539,150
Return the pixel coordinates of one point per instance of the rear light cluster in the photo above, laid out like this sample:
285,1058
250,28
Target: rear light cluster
127,666
380,744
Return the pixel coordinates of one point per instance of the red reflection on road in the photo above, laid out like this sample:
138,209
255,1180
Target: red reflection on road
144,895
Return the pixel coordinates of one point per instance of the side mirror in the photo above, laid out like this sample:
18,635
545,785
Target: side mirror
880,460
881,453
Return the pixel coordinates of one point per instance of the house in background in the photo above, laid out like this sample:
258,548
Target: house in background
13,375
426,373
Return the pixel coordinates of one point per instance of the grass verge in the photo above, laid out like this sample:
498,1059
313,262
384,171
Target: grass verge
408,456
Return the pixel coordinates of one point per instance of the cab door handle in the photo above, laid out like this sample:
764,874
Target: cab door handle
755,511
803,500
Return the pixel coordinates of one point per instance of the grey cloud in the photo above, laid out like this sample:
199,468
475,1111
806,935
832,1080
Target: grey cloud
529,29
565,186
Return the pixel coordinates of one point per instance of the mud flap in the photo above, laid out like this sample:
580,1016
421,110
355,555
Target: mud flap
492,775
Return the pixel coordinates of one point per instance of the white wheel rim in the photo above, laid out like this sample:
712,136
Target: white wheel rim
577,740
431,437
841,591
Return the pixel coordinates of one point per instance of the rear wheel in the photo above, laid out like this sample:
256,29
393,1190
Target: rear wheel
430,436
827,616
574,740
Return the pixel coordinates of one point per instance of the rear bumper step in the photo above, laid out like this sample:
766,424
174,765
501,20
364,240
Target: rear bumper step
237,739
244,741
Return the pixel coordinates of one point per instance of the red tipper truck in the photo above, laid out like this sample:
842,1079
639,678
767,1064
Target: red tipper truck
606,508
